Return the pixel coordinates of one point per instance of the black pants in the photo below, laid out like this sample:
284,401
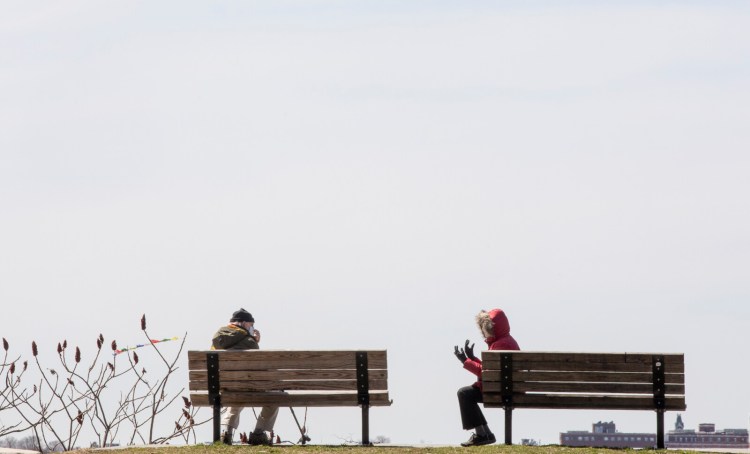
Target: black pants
469,398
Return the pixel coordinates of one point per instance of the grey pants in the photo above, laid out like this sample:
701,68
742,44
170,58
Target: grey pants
266,419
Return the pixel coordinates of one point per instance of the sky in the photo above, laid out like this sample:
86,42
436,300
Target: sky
372,174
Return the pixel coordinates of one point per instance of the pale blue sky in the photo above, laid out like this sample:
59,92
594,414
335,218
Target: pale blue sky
371,174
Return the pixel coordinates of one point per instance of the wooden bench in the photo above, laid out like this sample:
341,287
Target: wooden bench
595,381
287,378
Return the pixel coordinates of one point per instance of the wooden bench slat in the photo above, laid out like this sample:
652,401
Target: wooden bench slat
289,385
332,363
584,402
635,357
290,374
604,377
588,388
292,359
573,366
288,354
249,399
575,361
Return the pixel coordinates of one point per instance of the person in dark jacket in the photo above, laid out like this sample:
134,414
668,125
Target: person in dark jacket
496,331
240,334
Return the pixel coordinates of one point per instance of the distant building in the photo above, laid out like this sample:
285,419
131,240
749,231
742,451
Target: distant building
706,437
605,435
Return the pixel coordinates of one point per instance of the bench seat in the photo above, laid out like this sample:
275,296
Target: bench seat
578,380
289,378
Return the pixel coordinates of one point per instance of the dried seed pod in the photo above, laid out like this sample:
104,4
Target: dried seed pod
34,389
143,322
187,402
185,414
111,367
78,355
13,367
65,344
52,371
178,426
70,382
79,418
25,365
114,345
135,357
98,344
34,350
5,344
59,348
101,338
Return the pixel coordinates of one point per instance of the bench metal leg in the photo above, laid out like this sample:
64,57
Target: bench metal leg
365,425
217,419
214,390
659,429
363,393
508,426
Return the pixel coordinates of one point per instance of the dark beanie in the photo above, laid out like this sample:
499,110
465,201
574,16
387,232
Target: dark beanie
242,316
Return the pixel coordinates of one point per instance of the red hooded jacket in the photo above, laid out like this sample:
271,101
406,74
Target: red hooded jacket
496,330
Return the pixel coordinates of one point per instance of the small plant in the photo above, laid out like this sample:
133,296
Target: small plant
108,395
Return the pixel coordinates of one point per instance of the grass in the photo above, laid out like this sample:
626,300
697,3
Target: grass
347,449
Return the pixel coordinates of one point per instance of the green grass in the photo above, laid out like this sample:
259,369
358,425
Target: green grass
322,449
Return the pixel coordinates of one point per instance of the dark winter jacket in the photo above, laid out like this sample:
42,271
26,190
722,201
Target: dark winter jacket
232,337
496,330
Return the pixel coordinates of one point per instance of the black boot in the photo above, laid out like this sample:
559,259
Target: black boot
259,438
479,440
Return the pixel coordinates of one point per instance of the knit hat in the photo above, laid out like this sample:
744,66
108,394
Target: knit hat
242,316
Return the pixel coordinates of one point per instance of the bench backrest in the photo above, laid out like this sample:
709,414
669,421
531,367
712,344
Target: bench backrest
309,378
626,381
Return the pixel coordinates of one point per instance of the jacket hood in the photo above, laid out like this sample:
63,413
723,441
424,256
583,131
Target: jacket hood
493,324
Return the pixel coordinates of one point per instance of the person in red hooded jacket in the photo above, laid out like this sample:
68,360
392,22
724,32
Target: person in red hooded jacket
496,331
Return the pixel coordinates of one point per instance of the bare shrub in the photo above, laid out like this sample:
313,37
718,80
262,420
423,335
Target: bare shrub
112,395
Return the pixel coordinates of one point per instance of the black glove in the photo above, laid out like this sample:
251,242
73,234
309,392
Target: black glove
469,351
459,352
